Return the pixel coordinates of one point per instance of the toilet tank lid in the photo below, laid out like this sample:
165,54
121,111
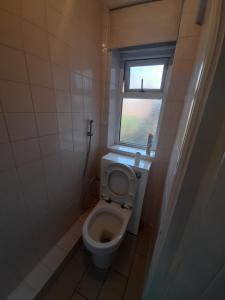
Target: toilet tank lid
144,165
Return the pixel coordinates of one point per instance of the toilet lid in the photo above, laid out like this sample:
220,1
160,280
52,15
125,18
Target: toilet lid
119,183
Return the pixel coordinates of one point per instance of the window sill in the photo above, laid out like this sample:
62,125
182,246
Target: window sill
126,150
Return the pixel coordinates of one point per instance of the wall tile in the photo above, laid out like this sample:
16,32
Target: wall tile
35,40
61,78
34,11
60,5
66,141
13,6
77,57
10,30
22,292
38,277
3,130
37,157
76,81
67,242
13,65
55,22
47,123
65,122
33,185
44,99
76,229
6,158
26,151
79,142
21,126
79,121
39,71
63,101
15,97
54,258
77,103
59,52
50,144
60,26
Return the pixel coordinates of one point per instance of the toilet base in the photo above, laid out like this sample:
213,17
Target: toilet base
103,261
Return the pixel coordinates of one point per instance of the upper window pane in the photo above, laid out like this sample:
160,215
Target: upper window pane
146,77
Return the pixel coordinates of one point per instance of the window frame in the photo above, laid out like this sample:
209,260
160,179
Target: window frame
140,94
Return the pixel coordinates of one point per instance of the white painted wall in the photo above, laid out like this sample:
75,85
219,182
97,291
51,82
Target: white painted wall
147,23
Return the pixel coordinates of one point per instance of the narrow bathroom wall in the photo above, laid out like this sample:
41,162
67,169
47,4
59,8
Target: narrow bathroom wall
182,71
187,115
50,58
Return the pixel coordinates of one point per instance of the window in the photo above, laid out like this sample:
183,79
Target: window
141,101
139,118
146,77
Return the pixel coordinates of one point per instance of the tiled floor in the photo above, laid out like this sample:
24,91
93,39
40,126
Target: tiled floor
79,279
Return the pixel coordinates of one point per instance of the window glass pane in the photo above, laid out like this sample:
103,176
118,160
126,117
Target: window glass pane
151,76
139,118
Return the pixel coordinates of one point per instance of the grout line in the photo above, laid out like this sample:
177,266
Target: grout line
131,267
43,171
121,274
76,291
79,281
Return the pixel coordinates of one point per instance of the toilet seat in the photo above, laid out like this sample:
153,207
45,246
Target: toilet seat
119,184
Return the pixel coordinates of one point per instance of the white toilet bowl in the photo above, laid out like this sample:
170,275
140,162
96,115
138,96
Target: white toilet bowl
103,231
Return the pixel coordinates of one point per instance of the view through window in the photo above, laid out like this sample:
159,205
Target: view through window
139,118
141,102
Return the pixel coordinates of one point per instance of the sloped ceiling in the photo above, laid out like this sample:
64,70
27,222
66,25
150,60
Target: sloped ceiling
112,4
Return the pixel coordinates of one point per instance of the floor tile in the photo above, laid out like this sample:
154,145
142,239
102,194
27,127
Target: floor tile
76,296
124,259
91,283
113,287
136,279
144,238
80,279
66,282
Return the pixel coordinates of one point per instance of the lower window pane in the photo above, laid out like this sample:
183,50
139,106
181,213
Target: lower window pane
139,118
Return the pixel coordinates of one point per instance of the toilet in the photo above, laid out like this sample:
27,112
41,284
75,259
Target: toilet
104,229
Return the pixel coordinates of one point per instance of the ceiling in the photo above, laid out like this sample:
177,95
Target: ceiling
112,4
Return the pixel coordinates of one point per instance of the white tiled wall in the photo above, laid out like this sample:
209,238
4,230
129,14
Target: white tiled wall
50,63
